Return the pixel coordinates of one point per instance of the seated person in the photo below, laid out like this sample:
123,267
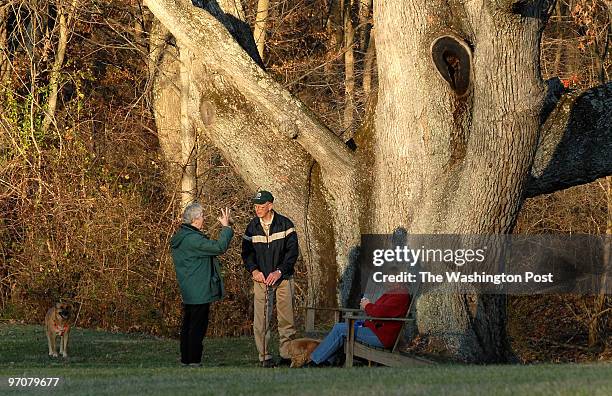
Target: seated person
379,333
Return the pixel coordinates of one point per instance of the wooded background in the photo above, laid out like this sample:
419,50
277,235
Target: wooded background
87,205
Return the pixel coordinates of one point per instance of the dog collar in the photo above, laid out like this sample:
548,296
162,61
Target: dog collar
61,330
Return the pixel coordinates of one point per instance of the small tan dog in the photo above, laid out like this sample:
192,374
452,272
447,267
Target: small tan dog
56,324
300,350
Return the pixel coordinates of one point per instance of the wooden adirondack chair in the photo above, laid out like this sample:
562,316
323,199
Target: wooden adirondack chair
373,291
388,357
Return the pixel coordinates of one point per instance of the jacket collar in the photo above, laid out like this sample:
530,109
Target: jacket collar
190,227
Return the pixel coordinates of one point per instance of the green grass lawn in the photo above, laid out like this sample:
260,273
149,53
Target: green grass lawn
127,364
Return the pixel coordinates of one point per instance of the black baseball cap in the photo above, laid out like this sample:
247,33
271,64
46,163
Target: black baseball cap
262,197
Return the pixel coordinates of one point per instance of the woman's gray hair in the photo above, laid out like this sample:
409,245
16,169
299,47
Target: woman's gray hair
192,212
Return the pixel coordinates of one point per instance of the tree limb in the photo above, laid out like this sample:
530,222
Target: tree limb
207,37
576,142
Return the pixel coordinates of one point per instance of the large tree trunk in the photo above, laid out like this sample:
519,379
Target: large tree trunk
448,146
477,147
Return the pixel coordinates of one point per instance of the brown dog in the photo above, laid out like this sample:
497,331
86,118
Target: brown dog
56,324
300,350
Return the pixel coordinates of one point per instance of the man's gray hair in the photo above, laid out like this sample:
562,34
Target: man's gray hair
192,212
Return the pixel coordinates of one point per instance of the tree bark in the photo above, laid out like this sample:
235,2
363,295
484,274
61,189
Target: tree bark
575,142
189,151
447,147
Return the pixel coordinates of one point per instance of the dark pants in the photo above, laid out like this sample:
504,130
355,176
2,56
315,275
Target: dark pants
195,323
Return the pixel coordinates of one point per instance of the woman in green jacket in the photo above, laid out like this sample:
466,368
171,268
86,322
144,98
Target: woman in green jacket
198,275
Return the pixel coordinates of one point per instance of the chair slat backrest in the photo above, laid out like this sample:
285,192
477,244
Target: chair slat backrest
413,291
374,290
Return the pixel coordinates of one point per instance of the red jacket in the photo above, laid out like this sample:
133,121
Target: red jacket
389,305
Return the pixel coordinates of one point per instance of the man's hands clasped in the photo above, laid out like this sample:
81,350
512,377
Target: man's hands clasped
272,278
258,276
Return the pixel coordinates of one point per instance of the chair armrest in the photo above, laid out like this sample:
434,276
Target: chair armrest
364,317
310,314
331,309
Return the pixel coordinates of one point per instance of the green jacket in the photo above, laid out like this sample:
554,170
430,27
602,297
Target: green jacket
196,264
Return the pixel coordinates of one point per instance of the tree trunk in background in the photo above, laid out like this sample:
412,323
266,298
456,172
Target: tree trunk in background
164,75
4,57
365,8
261,20
366,47
369,65
598,318
142,23
189,151
65,15
452,145
598,321
349,70
335,33
560,45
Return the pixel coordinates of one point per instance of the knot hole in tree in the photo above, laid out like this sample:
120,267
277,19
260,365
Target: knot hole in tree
453,59
207,112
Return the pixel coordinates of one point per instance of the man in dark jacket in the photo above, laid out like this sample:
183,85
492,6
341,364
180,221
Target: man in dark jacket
198,275
269,252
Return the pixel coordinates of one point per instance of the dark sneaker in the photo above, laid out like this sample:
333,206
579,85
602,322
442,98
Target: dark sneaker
269,363
284,362
312,364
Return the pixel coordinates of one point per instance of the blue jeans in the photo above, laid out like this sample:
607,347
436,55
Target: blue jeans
335,339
